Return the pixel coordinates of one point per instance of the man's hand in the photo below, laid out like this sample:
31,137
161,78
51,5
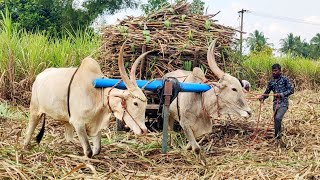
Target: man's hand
261,98
277,95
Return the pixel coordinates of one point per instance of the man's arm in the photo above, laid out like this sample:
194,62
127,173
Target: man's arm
289,90
266,92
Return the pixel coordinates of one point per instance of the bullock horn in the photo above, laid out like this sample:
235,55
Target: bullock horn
212,62
122,70
134,67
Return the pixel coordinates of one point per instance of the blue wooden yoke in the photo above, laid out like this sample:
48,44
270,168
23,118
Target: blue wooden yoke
152,86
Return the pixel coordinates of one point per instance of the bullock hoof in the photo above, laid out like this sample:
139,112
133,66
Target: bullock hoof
89,154
96,152
197,150
189,146
26,147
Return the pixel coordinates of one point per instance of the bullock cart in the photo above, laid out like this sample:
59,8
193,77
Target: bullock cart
179,40
168,88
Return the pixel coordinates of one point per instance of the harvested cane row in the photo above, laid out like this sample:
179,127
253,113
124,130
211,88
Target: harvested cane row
178,38
227,153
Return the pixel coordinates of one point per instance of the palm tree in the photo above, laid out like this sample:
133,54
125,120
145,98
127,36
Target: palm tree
288,44
315,46
293,45
256,41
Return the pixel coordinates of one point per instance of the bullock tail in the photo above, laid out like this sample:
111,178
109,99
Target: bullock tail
41,132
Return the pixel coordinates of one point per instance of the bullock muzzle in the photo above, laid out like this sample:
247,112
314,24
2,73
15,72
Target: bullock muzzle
246,114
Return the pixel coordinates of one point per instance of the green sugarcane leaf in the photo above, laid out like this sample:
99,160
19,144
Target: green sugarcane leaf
133,47
167,23
183,17
146,33
190,34
148,39
207,25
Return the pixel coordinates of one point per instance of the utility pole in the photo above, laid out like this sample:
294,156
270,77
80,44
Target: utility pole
241,28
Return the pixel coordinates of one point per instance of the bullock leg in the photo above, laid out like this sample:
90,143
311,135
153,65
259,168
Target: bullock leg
68,132
96,140
33,122
189,147
83,137
192,140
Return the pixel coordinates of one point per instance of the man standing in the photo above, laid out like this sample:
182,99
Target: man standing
282,89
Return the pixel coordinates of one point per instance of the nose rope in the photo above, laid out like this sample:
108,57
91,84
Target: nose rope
255,134
258,94
125,110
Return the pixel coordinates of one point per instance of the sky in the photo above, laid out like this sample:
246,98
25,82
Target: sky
275,18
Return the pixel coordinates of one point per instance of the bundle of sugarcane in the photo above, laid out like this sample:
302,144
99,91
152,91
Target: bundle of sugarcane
179,39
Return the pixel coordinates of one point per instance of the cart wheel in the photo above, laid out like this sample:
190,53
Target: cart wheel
120,125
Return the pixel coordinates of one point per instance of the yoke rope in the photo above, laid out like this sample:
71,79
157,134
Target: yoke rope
255,133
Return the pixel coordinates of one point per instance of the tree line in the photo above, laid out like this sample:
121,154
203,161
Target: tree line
60,16
55,17
291,45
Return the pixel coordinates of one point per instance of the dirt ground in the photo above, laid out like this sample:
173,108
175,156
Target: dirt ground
227,153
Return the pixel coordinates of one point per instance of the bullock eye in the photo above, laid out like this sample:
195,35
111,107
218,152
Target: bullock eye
234,89
135,103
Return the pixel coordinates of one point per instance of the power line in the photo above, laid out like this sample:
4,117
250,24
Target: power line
289,19
237,22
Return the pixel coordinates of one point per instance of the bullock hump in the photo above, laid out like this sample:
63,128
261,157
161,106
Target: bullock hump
89,64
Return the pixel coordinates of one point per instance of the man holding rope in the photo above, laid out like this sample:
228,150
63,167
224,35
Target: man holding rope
282,89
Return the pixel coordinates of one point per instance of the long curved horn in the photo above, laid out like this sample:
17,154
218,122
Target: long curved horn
122,70
212,62
134,68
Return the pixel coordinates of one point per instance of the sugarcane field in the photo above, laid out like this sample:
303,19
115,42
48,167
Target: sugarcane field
158,89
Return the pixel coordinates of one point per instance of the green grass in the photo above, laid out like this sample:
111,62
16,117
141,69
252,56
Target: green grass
303,72
9,112
23,55
30,54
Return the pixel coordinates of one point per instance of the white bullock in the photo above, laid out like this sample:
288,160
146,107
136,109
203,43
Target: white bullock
195,111
89,108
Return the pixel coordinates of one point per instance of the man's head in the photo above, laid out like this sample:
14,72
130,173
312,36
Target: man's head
245,84
276,70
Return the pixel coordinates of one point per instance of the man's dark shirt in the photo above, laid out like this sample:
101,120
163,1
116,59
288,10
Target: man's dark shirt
282,86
